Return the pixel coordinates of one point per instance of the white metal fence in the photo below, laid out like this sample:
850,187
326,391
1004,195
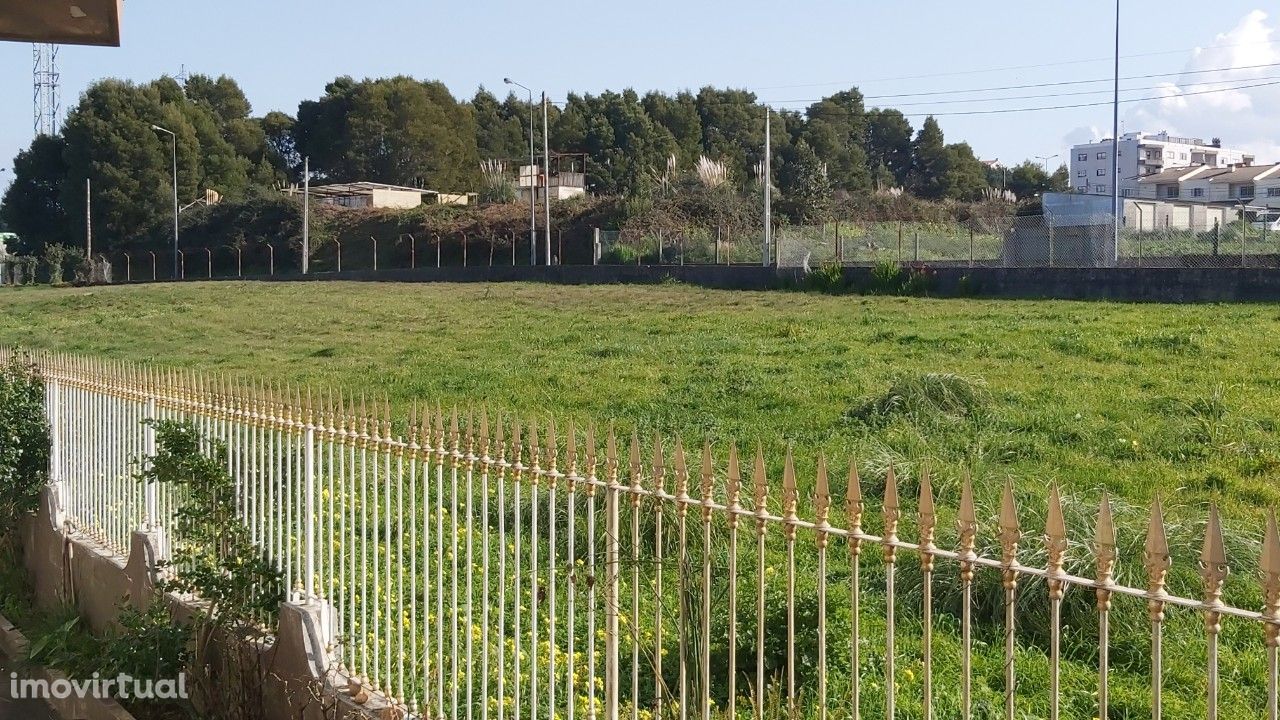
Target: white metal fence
488,567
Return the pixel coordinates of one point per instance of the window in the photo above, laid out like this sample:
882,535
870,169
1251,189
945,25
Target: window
1101,172
1102,156
1082,157
1273,192
1197,192
1171,191
1182,156
1245,191
1081,173
1100,189
1126,192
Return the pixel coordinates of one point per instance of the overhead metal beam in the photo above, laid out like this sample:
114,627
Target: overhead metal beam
64,22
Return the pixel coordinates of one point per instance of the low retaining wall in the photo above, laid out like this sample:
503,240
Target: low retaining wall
300,682
1121,284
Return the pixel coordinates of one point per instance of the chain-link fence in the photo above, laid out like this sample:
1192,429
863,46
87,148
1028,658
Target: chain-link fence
1028,241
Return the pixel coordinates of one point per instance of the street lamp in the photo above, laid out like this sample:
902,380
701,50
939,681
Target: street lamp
533,204
174,138
1045,160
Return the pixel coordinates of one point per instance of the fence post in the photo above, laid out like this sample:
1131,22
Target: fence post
464,249
839,246
595,246
1217,236
1244,239
309,479
611,689
915,253
899,243
375,252
54,411
1049,221
339,244
971,253
149,450
437,251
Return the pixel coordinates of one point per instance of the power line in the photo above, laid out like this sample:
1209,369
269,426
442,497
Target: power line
1002,111
1027,86
1009,67
1076,93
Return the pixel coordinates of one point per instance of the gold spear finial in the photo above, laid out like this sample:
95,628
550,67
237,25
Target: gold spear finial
1157,561
591,459
1055,532
822,501
611,455
1010,534
535,455
790,497
553,450
658,465
708,478
891,509
967,524
682,479
500,438
1104,550
635,469
571,453
762,491
928,520
853,505
1271,579
734,488
484,436
1213,570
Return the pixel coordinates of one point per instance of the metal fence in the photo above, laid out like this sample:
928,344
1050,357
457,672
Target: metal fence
485,566
1068,241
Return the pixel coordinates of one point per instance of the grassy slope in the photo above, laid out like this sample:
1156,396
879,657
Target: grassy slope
1133,398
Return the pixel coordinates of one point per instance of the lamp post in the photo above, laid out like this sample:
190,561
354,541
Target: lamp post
174,138
1045,161
1115,150
533,201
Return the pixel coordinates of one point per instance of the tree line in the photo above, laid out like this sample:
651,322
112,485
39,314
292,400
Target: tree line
404,131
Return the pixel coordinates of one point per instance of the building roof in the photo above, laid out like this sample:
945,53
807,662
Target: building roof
1248,173
363,188
1179,174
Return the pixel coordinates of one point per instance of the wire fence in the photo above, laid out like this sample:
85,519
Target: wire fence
487,566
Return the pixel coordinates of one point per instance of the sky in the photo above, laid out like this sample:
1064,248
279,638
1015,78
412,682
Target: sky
929,56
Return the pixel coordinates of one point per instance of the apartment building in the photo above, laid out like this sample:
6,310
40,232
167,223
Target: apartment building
1252,185
1142,155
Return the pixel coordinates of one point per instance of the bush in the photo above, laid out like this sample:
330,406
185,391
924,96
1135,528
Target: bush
886,278
24,442
828,278
919,281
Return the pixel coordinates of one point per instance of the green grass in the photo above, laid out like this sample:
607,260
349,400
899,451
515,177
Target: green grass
1133,399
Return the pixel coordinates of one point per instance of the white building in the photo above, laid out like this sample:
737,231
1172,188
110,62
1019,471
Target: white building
1251,185
1143,154
381,195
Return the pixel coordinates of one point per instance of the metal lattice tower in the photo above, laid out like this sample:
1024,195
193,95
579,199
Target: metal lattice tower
45,92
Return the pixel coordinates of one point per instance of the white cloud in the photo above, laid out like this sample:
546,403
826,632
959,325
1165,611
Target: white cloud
1245,117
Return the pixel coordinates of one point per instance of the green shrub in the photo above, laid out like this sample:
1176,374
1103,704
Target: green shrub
919,281
24,443
886,278
925,399
827,278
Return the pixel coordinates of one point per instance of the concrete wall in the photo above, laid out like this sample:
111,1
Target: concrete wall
299,681
1220,284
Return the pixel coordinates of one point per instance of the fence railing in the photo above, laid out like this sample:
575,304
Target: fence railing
487,566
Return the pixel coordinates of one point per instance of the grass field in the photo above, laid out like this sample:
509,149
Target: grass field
1131,398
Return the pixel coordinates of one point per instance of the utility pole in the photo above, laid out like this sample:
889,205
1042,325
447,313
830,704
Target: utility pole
88,221
533,185
1115,150
306,214
546,162
768,199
